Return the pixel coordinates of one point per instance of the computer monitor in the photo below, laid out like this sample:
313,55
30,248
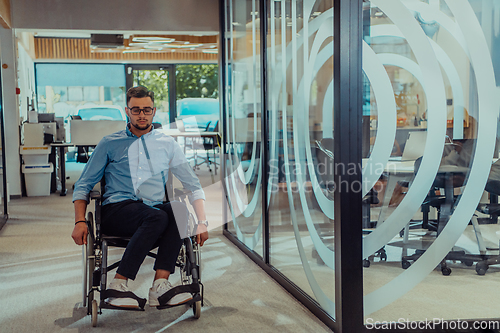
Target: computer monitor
46,117
414,146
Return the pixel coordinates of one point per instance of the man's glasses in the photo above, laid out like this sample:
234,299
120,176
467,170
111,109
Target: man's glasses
137,110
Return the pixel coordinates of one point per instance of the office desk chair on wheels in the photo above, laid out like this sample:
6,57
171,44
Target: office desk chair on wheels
95,268
484,261
209,144
445,205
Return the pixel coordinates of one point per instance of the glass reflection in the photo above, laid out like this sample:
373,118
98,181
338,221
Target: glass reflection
243,119
431,68
300,125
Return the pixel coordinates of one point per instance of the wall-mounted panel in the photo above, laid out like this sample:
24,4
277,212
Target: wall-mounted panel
150,15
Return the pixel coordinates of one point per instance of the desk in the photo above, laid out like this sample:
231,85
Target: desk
176,133
62,161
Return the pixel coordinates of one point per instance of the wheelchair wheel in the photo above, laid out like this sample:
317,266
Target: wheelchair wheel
104,265
90,271
85,276
197,309
94,313
181,262
88,267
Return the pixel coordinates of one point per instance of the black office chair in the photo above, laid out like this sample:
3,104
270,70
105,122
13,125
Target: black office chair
484,261
95,265
212,144
209,144
448,182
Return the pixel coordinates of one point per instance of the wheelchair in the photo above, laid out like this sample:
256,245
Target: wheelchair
95,268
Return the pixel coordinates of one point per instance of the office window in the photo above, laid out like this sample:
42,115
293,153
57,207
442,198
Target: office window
62,88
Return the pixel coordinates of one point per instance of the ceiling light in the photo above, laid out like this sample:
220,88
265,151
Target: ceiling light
152,47
182,46
147,39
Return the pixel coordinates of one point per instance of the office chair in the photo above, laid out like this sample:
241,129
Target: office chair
454,154
211,144
484,261
208,144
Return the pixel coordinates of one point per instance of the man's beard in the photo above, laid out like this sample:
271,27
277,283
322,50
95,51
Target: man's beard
141,128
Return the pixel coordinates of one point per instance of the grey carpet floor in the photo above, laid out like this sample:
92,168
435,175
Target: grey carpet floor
41,274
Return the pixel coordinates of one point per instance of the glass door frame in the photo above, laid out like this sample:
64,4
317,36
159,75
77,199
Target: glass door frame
172,96
3,217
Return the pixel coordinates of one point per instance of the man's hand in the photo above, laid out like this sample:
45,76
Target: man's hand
80,232
201,234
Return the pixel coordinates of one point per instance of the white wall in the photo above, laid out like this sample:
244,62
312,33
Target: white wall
10,110
26,80
146,15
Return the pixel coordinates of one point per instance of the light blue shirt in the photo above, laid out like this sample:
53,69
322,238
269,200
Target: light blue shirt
136,168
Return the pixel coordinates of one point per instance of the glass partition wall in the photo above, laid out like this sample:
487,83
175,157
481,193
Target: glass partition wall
374,199
433,115
243,167
280,193
300,145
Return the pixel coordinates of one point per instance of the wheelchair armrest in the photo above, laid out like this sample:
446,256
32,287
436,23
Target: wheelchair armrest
178,192
95,195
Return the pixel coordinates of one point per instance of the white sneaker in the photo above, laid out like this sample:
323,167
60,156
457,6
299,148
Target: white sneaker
160,287
121,285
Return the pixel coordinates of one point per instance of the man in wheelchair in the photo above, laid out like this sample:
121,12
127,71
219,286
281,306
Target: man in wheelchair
135,163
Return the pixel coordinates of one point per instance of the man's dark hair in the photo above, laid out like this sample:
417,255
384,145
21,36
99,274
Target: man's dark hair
140,92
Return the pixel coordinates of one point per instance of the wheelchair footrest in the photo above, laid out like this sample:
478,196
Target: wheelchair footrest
196,298
110,293
105,305
193,288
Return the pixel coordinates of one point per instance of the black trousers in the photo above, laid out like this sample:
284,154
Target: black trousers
148,227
